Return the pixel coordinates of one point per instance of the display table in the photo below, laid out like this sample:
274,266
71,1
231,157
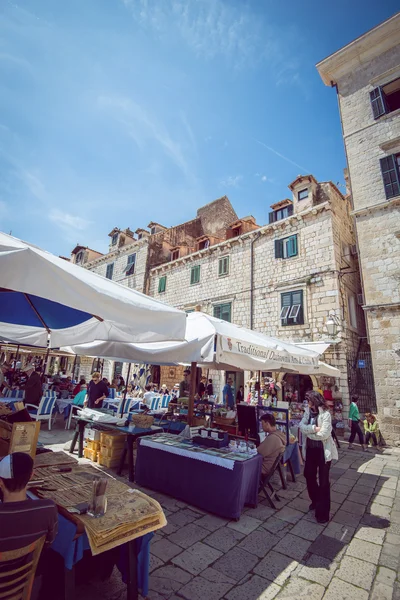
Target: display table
216,488
71,545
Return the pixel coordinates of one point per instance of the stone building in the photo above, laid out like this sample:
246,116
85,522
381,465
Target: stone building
131,255
285,279
366,75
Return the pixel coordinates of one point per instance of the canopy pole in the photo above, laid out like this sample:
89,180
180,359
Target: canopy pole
126,389
192,393
16,358
73,367
46,358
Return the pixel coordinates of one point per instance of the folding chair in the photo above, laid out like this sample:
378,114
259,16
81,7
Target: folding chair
266,480
44,411
17,571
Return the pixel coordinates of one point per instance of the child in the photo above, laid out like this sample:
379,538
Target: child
371,428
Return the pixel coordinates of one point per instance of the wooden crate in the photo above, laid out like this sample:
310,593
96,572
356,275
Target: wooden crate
111,451
90,454
112,438
108,462
93,445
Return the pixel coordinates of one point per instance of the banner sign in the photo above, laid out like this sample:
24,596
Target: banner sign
278,355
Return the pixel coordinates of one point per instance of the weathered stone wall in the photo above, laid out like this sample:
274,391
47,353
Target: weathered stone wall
120,258
367,141
322,232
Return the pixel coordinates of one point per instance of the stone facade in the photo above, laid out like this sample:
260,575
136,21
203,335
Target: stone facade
323,269
131,255
372,133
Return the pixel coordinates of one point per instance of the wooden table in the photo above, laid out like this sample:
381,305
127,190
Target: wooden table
132,433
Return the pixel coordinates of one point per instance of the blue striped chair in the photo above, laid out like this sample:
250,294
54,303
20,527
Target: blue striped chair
44,411
156,403
165,401
111,393
17,394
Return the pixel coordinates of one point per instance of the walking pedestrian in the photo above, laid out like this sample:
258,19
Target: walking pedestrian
318,451
354,424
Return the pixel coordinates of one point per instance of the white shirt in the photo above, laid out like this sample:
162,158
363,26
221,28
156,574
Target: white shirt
324,421
148,397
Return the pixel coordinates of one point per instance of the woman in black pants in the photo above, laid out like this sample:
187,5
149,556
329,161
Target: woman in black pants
318,450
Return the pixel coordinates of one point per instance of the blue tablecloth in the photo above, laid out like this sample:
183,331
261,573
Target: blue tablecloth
72,551
292,453
210,487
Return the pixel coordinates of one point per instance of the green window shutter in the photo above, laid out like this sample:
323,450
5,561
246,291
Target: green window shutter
292,246
195,275
223,266
223,312
278,248
162,284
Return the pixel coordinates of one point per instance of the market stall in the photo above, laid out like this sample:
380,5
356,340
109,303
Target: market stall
217,480
211,343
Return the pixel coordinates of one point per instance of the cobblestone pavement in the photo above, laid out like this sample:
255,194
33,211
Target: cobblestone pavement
283,554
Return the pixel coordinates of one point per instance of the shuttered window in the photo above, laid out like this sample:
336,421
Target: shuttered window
223,266
195,275
292,310
282,213
287,247
223,311
110,271
130,265
390,167
162,284
377,102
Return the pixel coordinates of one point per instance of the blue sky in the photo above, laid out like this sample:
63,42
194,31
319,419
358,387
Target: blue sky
119,112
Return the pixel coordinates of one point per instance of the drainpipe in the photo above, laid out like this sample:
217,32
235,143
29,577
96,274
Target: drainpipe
253,241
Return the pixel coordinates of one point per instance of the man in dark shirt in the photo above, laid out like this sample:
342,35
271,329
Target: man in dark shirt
97,391
22,521
33,387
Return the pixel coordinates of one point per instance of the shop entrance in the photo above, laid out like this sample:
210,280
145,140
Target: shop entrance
295,387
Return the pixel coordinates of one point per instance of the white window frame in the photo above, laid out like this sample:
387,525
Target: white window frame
305,197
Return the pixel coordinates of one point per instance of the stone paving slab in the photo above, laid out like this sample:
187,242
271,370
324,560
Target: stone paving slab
358,572
196,558
255,587
300,588
293,546
318,569
236,563
341,590
276,567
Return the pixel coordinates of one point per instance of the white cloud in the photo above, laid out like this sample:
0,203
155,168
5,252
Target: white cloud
231,181
67,221
214,28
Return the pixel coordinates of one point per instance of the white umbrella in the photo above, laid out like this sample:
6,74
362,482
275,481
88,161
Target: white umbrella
43,296
214,344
